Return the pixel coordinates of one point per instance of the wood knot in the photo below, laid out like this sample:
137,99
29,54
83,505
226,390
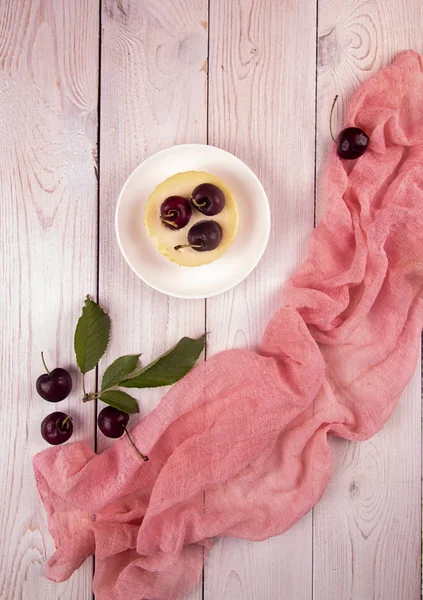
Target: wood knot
354,489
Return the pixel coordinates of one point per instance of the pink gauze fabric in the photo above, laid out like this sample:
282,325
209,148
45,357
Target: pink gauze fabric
239,446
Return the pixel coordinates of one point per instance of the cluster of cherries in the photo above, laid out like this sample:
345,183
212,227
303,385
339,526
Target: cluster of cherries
57,427
176,212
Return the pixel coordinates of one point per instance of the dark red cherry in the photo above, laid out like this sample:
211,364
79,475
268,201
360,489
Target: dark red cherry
203,236
175,212
352,143
54,385
208,199
57,428
112,422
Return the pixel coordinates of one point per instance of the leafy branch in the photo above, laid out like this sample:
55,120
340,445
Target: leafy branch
92,336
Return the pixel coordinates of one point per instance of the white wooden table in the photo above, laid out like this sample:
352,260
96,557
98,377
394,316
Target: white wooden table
89,89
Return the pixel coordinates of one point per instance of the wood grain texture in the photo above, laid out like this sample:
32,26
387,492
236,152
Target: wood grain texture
368,525
48,224
154,95
262,61
261,106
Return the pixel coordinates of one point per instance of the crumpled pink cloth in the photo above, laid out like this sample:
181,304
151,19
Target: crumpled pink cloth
239,447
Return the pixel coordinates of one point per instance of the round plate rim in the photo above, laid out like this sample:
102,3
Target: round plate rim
266,223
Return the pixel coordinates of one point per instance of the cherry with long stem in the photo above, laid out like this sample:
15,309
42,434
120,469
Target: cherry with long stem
112,423
54,385
203,236
351,142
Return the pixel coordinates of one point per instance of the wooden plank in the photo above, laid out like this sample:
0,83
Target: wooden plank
48,224
262,107
153,95
368,525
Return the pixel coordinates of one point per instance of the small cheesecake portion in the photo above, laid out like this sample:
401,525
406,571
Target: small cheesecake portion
165,239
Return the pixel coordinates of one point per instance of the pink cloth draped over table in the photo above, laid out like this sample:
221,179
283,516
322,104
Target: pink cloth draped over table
250,429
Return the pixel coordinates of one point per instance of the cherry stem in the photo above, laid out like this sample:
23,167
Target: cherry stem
330,118
171,213
200,204
187,246
44,363
142,456
168,222
63,426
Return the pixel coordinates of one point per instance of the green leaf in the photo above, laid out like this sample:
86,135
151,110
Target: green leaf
119,370
170,367
91,335
120,400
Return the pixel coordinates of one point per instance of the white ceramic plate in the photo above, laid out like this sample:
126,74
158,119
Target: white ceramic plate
225,272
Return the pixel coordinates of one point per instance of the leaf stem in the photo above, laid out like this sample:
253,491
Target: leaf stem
142,456
93,395
110,389
330,118
44,363
98,394
83,385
